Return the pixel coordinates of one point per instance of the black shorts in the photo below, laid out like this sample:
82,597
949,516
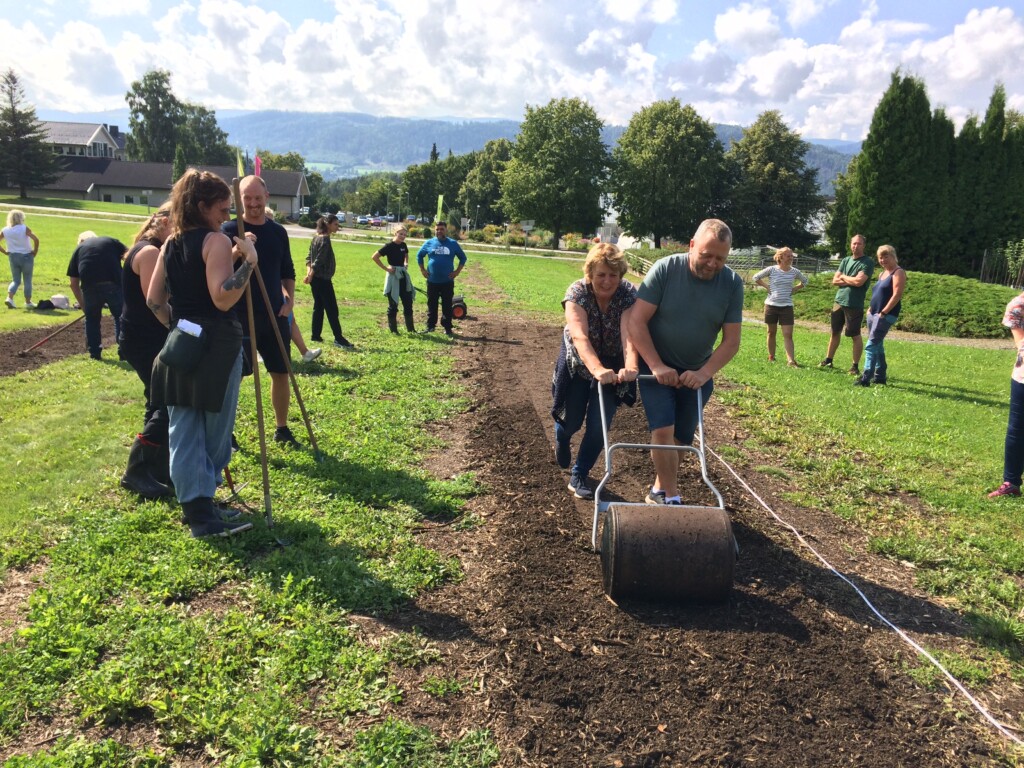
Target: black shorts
842,316
267,346
778,315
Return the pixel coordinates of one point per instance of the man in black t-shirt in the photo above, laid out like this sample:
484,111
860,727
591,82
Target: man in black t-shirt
278,272
95,272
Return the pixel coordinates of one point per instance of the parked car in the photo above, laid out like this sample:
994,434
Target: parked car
390,217
410,217
363,220
376,221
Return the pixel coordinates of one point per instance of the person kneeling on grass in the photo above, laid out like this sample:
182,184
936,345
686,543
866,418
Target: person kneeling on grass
595,350
1013,448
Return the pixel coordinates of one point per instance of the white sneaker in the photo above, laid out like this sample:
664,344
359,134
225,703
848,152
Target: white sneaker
311,355
9,302
29,305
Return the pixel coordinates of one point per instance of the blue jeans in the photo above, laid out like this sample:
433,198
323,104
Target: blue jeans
94,297
200,442
21,267
1013,451
668,406
874,350
582,403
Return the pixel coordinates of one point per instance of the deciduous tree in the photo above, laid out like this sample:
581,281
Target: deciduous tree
667,172
482,188
558,168
26,158
777,195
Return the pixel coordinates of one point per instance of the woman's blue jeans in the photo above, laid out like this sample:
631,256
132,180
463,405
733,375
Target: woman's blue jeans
1013,451
581,403
200,442
874,350
21,268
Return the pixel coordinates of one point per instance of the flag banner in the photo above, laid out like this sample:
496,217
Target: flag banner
440,208
259,165
241,167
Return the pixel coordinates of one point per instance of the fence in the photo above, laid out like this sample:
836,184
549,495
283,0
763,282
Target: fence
1003,266
745,261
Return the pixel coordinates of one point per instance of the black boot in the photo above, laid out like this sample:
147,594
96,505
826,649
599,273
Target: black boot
393,323
202,520
410,326
139,476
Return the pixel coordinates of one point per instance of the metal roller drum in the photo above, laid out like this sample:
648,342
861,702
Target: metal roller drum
668,553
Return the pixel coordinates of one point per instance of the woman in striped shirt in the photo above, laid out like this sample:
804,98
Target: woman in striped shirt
781,281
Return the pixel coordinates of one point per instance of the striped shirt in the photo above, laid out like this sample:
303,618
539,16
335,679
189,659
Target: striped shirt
780,284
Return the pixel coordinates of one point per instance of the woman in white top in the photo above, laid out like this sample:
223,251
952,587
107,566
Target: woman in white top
781,282
15,236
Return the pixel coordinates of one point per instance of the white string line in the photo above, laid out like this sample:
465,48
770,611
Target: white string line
906,638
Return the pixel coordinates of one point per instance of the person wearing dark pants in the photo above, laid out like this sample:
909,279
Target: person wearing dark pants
142,337
1013,446
320,268
398,283
440,253
95,272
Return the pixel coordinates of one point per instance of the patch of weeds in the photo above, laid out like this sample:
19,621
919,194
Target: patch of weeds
397,743
972,672
1001,631
730,452
765,469
410,649
79,753
441,686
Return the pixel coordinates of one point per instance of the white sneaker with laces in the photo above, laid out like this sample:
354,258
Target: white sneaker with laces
29,305
311,355
9,302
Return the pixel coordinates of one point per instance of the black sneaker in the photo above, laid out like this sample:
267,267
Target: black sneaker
826,363
449,334
654,497
284,436
219,528
580,487
235,447
428,330
854,370
563,453
344,343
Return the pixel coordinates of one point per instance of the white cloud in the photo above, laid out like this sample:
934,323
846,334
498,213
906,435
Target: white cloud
748,28
799,12
112,8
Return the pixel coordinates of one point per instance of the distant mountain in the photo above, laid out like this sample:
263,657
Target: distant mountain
350,143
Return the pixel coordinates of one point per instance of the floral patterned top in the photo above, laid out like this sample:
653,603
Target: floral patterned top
1014,318
603,328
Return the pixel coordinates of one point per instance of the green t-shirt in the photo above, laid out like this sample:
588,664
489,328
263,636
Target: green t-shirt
691,311
851,267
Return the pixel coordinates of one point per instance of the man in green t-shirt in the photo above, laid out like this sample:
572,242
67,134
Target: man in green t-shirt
852,278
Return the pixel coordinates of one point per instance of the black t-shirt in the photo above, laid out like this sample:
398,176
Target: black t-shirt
97,260
275,262
397,253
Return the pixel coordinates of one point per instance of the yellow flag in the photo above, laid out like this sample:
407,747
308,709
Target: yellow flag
241,167
440,208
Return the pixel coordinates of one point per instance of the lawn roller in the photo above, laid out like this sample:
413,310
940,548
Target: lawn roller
459,309
661,551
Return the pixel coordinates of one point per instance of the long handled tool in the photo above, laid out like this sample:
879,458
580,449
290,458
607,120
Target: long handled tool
663,551
255,375
285,357
59,330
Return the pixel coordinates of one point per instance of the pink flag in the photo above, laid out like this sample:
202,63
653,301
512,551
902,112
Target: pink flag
258,165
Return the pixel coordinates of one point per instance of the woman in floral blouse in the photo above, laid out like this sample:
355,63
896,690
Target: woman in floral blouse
595,349
1013,452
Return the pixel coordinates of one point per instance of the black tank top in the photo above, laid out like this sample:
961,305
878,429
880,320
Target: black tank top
186,277
138,323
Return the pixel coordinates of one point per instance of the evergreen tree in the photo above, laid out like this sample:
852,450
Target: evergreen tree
1015,175
888,204
935,253
26,158
667,172
837,232
179,166
968,254
992,197
558,168
777,196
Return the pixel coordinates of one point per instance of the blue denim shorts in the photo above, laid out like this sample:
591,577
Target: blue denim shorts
668,406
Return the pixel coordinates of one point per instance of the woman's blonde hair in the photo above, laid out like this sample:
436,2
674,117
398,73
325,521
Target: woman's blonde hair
887,250
782,252
607,254
402,228
15,217
149,229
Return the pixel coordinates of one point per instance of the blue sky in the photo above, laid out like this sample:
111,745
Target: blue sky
822,63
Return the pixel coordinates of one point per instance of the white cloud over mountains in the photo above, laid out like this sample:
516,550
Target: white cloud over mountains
489,58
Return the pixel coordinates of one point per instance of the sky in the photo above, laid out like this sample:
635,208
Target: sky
824,64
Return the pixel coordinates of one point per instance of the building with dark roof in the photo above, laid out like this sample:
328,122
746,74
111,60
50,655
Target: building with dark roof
84,139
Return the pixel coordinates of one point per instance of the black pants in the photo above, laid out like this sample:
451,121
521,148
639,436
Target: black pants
444,292
140,357
324,300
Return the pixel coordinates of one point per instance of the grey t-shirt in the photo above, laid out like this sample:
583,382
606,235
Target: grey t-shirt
690,312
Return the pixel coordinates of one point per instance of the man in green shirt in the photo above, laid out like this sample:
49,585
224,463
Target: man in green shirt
852,278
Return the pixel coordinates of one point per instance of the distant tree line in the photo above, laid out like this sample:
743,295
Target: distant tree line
941,198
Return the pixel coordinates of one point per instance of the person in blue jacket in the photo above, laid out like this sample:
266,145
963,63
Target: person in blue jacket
440,272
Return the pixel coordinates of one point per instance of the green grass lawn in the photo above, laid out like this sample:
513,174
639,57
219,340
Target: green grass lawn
111,637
